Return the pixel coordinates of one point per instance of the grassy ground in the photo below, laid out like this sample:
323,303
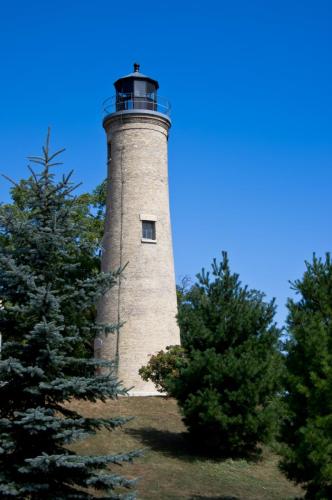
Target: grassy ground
168,470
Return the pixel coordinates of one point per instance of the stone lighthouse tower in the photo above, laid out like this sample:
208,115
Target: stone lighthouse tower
138,230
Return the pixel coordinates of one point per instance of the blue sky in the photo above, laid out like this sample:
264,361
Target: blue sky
251,141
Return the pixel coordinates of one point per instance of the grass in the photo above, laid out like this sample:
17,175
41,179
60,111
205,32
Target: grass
169,469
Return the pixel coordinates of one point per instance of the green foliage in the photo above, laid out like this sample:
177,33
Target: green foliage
91,214
164,366
88,218
227,389
47,293
182,289
307,432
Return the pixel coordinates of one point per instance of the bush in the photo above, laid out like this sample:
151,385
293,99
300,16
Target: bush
164,366
307,432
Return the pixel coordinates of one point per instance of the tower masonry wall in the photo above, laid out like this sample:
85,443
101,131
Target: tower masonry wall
144,300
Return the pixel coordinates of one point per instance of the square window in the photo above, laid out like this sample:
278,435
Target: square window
148,230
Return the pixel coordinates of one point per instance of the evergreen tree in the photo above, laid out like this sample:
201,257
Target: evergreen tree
88,215
47,293
227,387
307,432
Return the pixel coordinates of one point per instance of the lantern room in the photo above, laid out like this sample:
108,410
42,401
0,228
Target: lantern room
136,91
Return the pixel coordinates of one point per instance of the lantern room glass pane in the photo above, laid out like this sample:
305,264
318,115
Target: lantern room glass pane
127,87
140,88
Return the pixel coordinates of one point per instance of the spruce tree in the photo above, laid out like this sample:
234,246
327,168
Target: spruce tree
47,293
88,215
307,431
227,387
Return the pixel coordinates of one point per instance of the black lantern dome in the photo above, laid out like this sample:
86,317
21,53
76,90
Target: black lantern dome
136,91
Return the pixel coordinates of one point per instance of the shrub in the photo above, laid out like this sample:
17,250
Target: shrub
164,366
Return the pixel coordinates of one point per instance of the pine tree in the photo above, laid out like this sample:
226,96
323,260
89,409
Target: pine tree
307,432
47,293
227,388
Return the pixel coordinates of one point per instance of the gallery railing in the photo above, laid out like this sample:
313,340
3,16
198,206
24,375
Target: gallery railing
125,102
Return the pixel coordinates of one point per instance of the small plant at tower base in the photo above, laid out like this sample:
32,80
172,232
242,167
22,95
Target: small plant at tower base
227,390
163,367
47,293
307,432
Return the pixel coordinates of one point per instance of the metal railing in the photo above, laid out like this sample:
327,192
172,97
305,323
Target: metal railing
125,102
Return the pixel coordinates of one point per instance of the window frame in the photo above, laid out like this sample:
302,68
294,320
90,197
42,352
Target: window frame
146,230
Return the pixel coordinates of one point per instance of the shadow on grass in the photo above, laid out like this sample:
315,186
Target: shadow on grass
202,497
180,445
176,444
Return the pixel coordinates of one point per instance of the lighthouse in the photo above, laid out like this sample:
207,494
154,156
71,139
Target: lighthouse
138,231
